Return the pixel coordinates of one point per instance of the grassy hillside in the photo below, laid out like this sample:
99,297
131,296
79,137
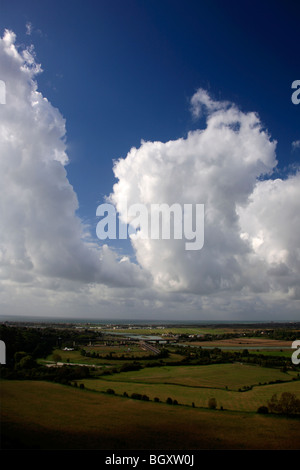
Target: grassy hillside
40,415
196,384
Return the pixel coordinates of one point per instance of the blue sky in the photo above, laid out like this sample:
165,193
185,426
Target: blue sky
120,72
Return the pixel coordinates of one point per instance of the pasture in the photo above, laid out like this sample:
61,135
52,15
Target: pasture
41,415
230,376
236,387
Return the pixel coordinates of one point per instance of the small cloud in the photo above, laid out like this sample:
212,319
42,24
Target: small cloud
296,144
28,28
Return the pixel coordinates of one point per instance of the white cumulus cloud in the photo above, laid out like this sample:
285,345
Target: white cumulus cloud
41,236
251,222
218,167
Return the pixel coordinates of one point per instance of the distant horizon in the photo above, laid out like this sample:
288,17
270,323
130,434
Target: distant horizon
128,321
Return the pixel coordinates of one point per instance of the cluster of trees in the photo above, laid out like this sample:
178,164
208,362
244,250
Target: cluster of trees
25,345
35,342
286,404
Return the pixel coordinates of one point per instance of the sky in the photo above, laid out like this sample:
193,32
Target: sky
142,103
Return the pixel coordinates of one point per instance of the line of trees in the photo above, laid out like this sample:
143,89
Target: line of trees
164,353
202,356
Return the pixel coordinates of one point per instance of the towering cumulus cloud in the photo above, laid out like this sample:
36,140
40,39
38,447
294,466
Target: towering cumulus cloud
251,226
41,238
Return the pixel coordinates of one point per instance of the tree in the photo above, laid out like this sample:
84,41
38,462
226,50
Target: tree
27,362
288,403
212,403
19,355
263,410
136,396
56,357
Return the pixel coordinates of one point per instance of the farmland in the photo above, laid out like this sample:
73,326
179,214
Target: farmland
235,387
97,389
53,416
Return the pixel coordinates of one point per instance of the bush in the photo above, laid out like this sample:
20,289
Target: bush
24,361
110,391
169,401
136,396
212,403
263,410
127,367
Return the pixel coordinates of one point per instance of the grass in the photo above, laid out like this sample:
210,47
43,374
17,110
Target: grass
40,415
196,384
232,376
116,351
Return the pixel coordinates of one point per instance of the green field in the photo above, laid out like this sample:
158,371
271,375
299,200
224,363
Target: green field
106,353
232,376
70,407
41,415
196,384
172,330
